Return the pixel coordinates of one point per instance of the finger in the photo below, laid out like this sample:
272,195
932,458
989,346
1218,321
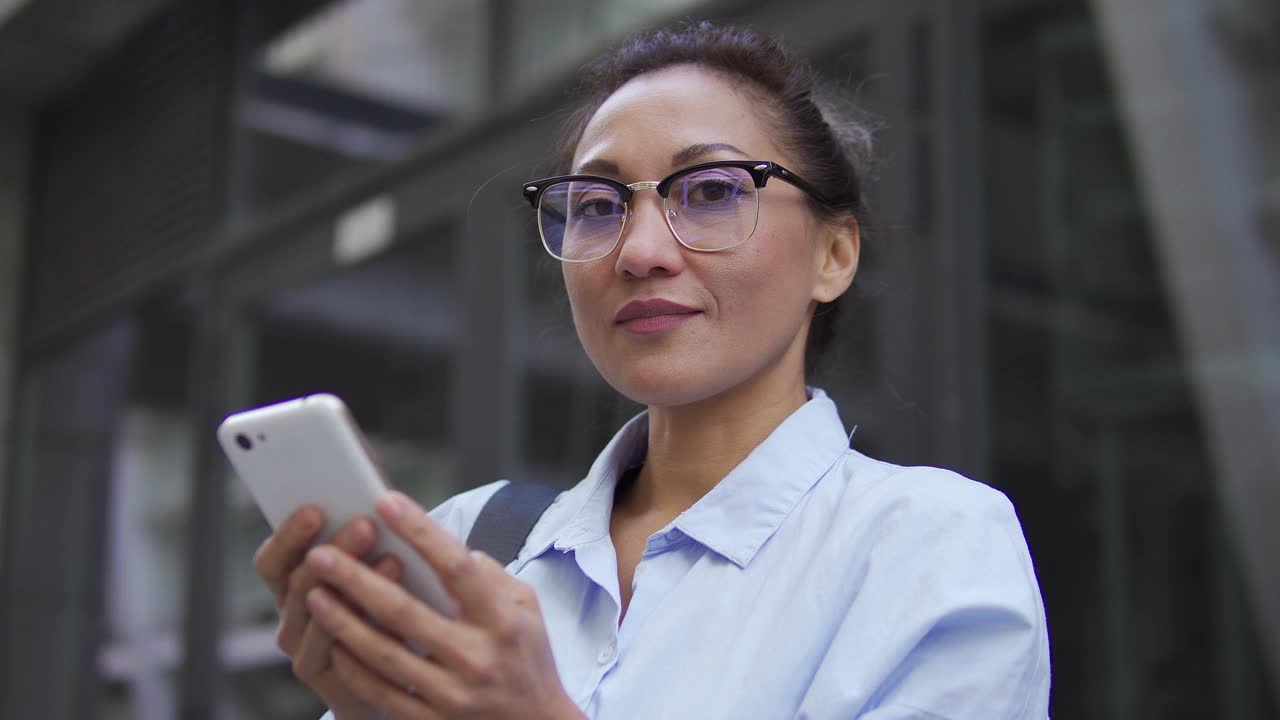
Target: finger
451,558
387,656
520,594
356,538
389,567
293,614
312,657
391,606
285,548
376,691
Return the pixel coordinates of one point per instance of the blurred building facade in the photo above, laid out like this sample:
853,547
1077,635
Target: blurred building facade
1069,294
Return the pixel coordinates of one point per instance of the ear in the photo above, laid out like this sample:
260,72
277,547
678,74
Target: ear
840,246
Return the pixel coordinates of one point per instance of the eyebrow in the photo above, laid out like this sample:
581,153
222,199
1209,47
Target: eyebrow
679,159
696,151
596,167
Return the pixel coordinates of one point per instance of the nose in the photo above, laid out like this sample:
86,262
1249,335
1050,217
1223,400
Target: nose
648,247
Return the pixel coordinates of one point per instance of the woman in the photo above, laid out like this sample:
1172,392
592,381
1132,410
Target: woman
727,555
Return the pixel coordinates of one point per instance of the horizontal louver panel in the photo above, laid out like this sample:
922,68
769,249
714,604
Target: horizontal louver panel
128,174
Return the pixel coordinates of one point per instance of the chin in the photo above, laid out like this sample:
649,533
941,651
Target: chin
657,386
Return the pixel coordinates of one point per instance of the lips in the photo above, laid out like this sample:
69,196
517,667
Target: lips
644,309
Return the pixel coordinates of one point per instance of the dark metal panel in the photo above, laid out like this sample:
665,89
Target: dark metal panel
130,167
51,595
211,380
961,400
486,384
46,45
903,409
14,169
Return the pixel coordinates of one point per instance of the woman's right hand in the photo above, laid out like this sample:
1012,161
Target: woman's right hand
279,561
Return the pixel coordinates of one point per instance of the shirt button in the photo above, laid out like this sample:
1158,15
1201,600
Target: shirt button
607,654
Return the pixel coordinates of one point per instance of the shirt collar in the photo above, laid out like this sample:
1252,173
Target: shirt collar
737,516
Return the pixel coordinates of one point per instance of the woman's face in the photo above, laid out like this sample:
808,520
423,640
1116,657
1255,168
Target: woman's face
749,304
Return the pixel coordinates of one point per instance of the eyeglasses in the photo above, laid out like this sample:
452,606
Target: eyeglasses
708,207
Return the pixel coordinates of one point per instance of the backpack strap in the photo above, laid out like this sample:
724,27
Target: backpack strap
506,519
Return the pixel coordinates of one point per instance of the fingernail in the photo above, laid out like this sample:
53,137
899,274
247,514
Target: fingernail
393,505
388,566
321,558
363,529
310,519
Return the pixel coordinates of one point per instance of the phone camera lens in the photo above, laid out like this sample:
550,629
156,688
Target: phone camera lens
243,441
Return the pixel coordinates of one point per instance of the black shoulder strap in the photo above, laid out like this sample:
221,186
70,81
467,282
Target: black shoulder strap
505,521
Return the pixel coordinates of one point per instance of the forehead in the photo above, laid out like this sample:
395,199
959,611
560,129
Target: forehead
655,115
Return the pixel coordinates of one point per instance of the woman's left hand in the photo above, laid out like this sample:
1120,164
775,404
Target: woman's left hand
493,661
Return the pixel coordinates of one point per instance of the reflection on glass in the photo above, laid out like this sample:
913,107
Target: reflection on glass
150,502
358,83
429,56
1096,437
351,87
151,485
553,35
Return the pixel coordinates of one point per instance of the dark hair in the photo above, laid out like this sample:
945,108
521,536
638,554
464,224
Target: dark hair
828,150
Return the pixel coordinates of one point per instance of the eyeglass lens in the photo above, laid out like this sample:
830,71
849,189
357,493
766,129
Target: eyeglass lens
710,209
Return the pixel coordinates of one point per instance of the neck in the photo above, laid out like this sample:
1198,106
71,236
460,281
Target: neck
692,447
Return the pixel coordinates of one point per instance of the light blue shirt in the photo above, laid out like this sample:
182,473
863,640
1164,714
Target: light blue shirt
811,582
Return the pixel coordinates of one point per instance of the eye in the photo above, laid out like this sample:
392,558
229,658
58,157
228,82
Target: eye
714,188
596,207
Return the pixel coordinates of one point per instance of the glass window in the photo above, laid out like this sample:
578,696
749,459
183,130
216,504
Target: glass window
1096,437
352,87
70,401
146,540
550,36
377,334
358,83
430,56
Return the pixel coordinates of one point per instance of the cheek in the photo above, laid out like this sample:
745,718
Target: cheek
769,282
583,286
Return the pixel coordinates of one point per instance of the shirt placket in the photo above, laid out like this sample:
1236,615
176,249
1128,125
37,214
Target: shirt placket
660,567
599,563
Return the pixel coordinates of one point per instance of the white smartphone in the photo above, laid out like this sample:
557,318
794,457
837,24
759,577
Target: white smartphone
310,450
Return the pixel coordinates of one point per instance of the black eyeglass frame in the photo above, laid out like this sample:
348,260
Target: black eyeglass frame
759,170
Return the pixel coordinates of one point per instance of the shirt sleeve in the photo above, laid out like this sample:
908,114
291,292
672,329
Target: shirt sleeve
949,624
